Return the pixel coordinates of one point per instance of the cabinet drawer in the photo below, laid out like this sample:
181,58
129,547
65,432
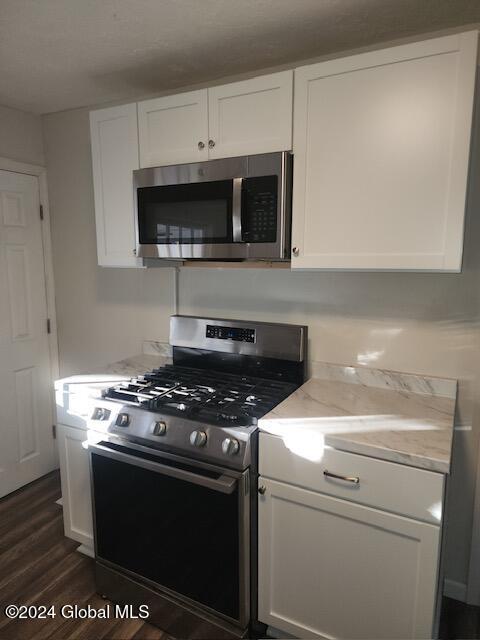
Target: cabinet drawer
415,493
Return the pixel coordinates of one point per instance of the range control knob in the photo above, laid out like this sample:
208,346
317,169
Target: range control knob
230,446
160,428
198,438
123,420
100,413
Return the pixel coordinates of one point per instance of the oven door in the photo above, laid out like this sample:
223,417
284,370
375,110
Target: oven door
180,525
189,220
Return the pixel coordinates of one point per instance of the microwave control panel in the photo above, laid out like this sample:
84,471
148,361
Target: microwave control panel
259,215
230,333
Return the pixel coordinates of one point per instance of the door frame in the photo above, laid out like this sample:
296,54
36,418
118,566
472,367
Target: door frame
41,173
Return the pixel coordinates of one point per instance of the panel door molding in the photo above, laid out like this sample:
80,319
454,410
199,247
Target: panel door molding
75,479
381,143
27,448
251,116
173,129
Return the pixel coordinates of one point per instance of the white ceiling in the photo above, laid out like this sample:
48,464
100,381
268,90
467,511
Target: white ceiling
61,54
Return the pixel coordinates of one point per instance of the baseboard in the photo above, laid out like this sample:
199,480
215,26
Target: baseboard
87,551
455,590
272,632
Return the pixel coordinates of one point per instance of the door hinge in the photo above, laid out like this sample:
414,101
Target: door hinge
41,212
54,431
49,326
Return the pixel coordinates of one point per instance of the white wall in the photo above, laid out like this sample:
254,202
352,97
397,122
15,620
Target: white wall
102,314
21,136
420,323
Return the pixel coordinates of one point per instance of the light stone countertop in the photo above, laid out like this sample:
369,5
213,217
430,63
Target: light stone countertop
74,394
398,417
392,416
103,377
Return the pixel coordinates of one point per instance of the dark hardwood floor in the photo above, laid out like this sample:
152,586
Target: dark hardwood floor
39,566
459,621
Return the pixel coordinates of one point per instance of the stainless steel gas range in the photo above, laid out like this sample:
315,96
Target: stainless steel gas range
174,481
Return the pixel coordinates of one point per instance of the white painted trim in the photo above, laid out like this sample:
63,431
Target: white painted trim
41,173
87,551
455,590
21,167
272,632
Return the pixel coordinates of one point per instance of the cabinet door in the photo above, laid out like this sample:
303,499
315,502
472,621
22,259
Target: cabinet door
114,141
173,129
253,116
75,478
333,569
381,143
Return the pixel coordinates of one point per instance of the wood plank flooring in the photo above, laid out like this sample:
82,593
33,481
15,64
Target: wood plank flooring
39,566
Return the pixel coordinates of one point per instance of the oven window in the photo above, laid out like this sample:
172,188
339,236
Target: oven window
199,213
177,534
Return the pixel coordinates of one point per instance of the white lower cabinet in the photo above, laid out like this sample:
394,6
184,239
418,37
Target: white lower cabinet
75,478
330,568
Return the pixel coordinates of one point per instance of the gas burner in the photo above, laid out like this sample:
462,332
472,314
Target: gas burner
216,397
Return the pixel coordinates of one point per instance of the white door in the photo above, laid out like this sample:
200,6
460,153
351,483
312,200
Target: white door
381,144
334,569
26,414
75,477
173,129
114,141
252,116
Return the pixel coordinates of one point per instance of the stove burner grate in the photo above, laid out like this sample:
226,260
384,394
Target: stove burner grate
219,399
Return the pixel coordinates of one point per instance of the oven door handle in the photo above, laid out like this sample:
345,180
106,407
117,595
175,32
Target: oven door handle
237,209
224,484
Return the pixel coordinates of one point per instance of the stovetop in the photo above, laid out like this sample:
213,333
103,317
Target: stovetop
209,397
226,374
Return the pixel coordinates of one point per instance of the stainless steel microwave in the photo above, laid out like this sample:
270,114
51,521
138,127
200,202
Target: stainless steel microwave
230,209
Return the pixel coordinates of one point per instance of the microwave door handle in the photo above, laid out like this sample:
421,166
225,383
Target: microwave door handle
237,209
224,484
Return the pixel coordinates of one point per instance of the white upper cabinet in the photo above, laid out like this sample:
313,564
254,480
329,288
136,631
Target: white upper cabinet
114,142
241,118
381,144
173,129
249,117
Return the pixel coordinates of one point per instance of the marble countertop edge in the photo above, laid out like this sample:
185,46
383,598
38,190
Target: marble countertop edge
429,463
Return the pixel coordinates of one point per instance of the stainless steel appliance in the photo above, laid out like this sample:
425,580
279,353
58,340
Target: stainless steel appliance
174,479
230,209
